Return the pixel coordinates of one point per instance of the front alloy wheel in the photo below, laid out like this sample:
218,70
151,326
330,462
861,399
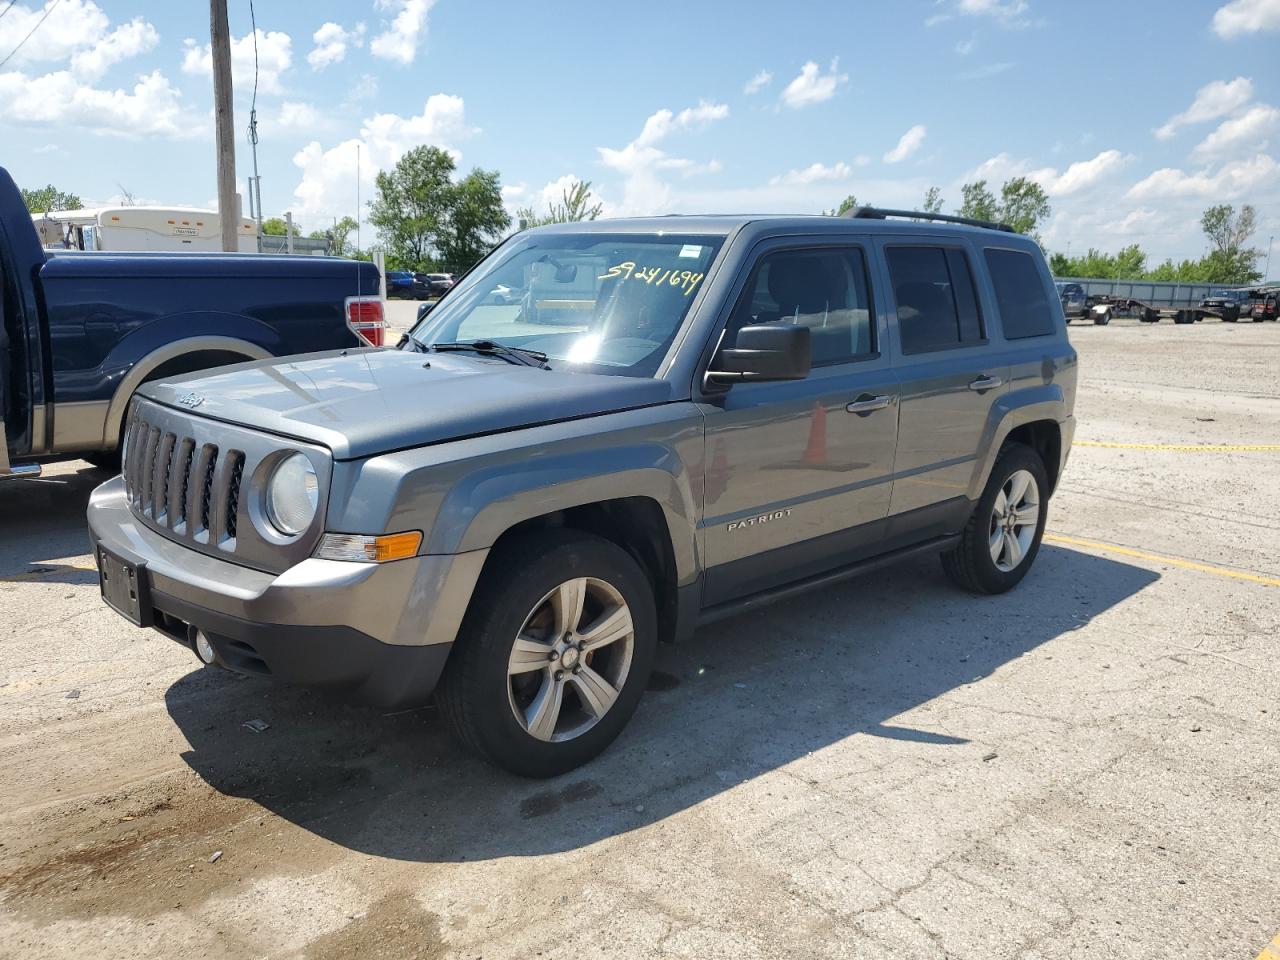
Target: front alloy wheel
570,658
554,653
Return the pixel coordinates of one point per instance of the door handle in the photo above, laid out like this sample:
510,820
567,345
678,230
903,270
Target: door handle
868,404
985,383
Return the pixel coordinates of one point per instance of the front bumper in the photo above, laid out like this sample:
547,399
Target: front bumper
379,631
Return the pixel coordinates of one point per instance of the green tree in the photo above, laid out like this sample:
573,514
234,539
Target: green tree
1024,205
932,200
575,205
48,198
339,236
411,206
1231,260
278,227
848,203
475,219
977,201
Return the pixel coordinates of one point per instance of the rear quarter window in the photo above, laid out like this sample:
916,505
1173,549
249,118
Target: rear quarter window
1025,308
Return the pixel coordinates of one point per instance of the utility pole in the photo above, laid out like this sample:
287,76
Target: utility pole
1266,273
223,116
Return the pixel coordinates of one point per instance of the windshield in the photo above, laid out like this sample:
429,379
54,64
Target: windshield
593,302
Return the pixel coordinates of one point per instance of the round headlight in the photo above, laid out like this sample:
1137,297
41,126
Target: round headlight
293,495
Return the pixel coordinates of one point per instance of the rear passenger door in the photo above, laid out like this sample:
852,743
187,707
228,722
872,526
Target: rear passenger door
797,475
951,373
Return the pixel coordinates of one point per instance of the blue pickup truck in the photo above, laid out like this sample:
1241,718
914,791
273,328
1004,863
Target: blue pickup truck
80,332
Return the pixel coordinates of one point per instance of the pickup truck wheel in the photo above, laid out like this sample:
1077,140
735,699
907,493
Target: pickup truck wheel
1000,542
553,655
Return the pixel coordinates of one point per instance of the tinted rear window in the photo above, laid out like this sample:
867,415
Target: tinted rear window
1025,310
937,306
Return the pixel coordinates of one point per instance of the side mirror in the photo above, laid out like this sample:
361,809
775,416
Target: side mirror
424,309
764,352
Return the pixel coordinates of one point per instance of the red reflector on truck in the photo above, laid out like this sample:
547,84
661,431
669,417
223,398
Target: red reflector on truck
366,319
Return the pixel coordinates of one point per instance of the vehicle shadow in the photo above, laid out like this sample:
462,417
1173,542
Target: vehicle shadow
45,517
741,698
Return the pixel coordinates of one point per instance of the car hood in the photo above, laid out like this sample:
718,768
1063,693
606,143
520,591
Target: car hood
359,403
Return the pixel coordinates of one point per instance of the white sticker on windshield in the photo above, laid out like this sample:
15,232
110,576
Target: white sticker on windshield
691,250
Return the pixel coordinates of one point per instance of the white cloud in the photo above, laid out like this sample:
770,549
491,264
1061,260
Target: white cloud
1231,181
1008,13
400,38
1249,131
908,144
814,173
1246,16
59,99
300,116
75,32
758,82
329,176
442,122
331,41
988,70
1079,176
1082,174
813,86
275,56
643,164
1213,100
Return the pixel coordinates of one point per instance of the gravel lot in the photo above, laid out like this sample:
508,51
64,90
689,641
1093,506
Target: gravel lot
1084,768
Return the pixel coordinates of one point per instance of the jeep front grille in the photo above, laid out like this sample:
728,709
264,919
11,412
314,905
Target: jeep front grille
174,481
194,480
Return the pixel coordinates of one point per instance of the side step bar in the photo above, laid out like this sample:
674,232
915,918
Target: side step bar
14,471
786,591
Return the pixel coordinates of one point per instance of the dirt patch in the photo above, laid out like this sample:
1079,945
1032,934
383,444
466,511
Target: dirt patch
549,801
144,854
396,927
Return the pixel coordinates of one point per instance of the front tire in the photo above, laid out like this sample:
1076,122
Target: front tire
1000,542
553,655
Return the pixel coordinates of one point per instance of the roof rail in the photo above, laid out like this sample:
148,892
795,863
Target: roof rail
875,213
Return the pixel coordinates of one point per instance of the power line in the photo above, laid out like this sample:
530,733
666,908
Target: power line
8,8
48,11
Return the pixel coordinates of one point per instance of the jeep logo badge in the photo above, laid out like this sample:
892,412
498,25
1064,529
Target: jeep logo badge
191,400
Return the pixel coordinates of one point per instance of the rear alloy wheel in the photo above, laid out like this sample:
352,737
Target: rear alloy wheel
1000,542
554,653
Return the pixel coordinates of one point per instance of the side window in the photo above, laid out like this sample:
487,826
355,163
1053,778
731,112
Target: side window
823,289
1025,310
937,304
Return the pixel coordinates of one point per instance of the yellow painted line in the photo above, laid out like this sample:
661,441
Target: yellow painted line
1159,558
1272,950
38,574
1185,447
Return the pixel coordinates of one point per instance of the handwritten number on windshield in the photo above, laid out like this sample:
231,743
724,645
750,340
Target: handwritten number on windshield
685,279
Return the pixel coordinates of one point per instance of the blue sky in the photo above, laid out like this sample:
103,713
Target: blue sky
1135,116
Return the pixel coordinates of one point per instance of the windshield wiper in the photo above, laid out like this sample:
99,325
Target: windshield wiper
516,355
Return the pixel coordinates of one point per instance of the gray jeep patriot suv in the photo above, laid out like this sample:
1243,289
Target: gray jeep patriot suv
657,423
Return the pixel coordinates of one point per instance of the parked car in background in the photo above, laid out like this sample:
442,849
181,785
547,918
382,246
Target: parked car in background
516,505
437,284
1231,305
403,285
1267,307
81,332
1075,305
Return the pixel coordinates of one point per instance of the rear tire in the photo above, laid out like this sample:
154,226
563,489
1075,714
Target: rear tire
512,691
995,551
